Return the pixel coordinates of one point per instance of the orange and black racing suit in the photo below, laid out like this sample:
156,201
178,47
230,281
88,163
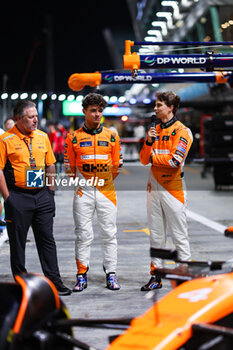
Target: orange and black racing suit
166,195
94,157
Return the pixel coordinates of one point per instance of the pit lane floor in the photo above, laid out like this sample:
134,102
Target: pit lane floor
209,212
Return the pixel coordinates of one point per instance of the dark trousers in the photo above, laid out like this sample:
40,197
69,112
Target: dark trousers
35,209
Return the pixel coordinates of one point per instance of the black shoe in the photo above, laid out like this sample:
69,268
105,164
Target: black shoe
62,289
154,283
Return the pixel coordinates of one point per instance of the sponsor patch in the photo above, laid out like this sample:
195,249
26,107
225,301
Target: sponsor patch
86,144
103,143
95,156
161,151
157,138
182,149
179,153
180,159
165,138
182,144
172,163
184,140
85,138
175,161
113,138
98,168
74,140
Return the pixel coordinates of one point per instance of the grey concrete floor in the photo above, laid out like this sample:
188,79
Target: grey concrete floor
133,248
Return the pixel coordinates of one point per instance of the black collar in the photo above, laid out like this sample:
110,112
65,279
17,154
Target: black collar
166,125
92,131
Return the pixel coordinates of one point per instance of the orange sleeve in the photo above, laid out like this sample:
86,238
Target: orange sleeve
146,153
50,158
3,156
178,151
69,157
117,158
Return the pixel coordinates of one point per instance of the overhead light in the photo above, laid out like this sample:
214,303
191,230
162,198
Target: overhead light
70,97
33,96
113,99
152,32
53,97
124,118
186,3
156,33
79,98
174,5
133,101
162,25
24,95
225,25
168,16
106,98
122,99
146,100
44,97
150,38
15,96
144,50
62,97
179,23
4,96
203,20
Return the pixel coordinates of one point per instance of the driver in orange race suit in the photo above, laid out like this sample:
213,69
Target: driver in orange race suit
166,148
93,156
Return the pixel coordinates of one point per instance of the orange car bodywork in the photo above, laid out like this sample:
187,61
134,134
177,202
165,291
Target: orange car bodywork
168,324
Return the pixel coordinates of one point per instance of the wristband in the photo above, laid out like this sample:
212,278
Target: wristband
148,143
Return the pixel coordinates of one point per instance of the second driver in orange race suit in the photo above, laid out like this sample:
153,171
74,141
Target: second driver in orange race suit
93,156
166,148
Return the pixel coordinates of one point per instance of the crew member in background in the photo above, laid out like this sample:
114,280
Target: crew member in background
8,124
52,133
61,136
93,152
26,160
166,148
2,221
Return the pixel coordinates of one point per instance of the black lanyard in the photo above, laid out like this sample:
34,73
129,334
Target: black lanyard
31,159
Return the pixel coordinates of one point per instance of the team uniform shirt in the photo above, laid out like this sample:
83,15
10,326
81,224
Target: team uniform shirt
96,154
21,167
167,155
